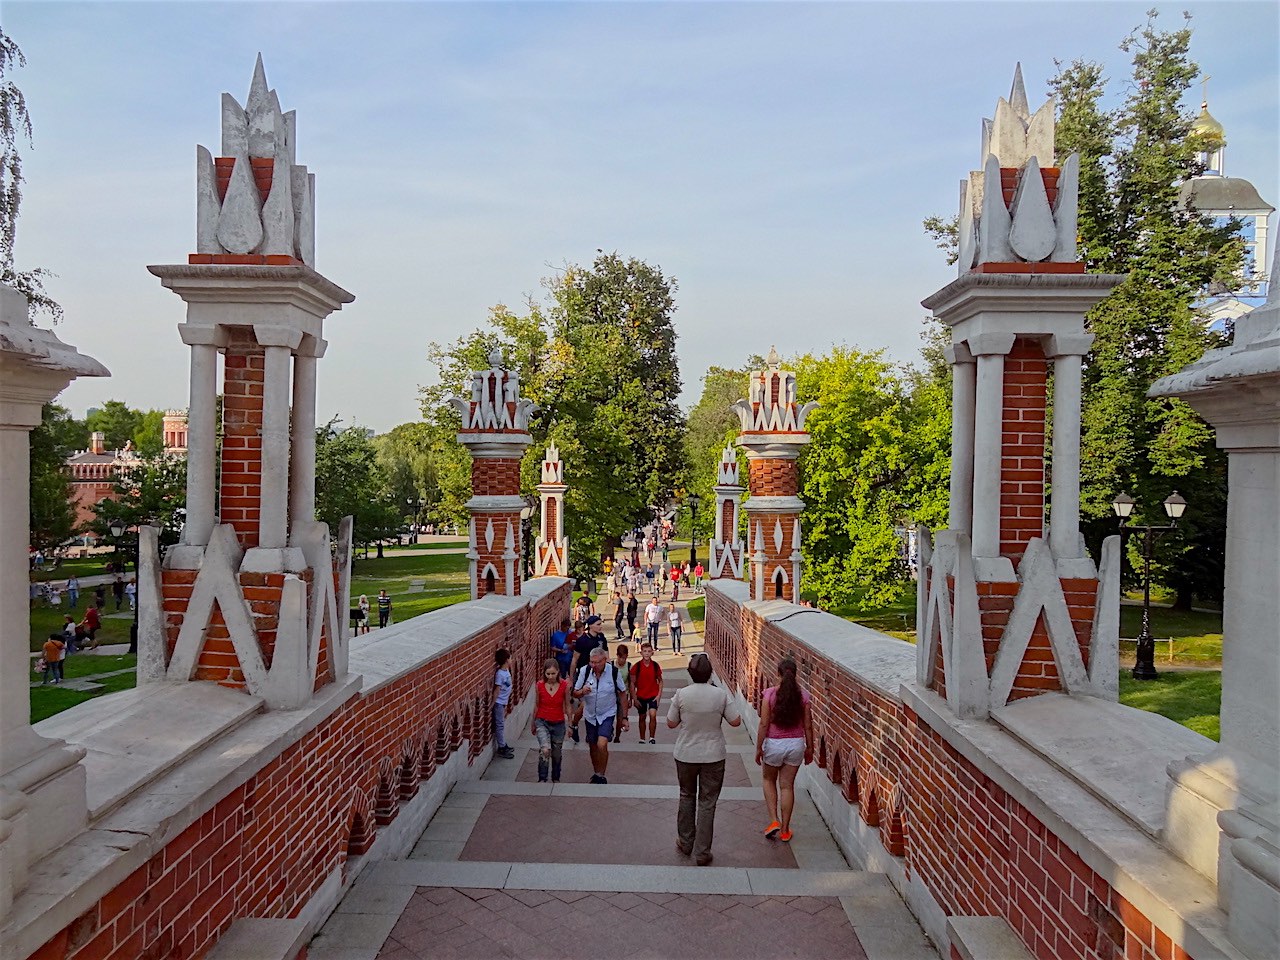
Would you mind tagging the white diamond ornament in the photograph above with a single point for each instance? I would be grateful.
(1032, 232)
(240, 221)
(777, 536)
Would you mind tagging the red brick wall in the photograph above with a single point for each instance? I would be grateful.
(728, 522)
(977, 850)
(775, 558)
(1026, 373)
(265, 848)
(240, 495)
(494, 554)
(495, 477)
(773, 477)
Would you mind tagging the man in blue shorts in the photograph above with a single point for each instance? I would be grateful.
(603, 692)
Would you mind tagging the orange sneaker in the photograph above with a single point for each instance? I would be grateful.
(772, 829)
(785, 836)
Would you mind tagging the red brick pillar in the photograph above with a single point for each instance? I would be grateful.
(726, 546)
(773, 431)
(240, 483)
(495, 429)
(552, 550)
(1026, 378)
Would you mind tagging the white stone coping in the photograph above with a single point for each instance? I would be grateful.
(252, 283)
(985, 938)
(1137, 749)
(1169, 893)
(254, 938)
(167, 798)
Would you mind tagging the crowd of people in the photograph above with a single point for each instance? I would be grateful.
(583, 686)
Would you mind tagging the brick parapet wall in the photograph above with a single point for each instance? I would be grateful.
(976, 849)
(264, 846)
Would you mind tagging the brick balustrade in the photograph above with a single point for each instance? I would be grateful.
(265, 842)
(947, 825)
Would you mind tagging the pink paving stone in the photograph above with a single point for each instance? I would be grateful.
(629, 767)
(622, 831)
(719, 927)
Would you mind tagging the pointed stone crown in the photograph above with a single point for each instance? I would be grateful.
(552, 468)
(727, 472)
(771, 405)
(255, 203)
(495, 404)
(1017, 211)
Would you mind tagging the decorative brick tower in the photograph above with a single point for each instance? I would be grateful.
(1024, 613)
(248, 598)
(773, 432)
(552, 554)
(726, 545)
(495, 428)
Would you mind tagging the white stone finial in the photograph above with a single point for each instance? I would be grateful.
(773, 360)
(1018, 93)
(239, 220)
(495, 359)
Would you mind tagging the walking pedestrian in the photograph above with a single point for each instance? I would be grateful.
(676, 574)
(363, 606)
(583, 607)
(55, 595)
(619, 612)
(562, 647)
(620, 657)
(73, 592)
(698, 711)
(501, 697)
(698, 571)
(784, 741)
(54, 647)
(652, 618)
(549, 719)
(117, 591)
(384, 609)
(131, 594)
(645, 683)
(92, 622)
(602, 692)
(633, 608)
(674, 627)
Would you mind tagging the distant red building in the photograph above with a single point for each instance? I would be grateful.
(93, 471)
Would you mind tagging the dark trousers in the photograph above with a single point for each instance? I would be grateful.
(617, 625)
(700, 785)
(653, 635)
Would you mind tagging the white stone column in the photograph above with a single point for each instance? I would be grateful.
(302, 466)
(273, 518)
(987, 430)
(1064, 503)
(202, 431)
(964, 385)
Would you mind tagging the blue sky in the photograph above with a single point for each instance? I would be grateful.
(775, 158)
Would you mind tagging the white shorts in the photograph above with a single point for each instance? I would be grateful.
(778, 753)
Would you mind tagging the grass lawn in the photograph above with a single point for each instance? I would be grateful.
(444, 582)
(1197, 636)
(90, 566)
(45, 620)
(437, 545)
(51, 699)
(698, 609)
(1193, 698)
(897, 619)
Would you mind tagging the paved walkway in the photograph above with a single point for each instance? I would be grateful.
(510, 867)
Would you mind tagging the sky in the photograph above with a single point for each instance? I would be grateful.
(776, 159)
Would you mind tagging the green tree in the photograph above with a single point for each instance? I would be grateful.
(598, 357)
(116, 421)
(350, 483)
(148, 438)
(53, 515)
(146, 490)
(1133, 162)
(15, 126)
(404, 457)
(878, 459)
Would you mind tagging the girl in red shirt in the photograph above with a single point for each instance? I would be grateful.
(549, 720)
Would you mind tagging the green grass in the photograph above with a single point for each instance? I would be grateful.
(46, 620)
(698, 609)
(1192, 698)
(438, 545)
(897, 618)
(48, 700)
(91, 566)
(445, 577)
(1197, 636)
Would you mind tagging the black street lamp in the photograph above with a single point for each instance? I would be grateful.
(1144, 665)
(693, 529)
(415, 505)
(118, 528)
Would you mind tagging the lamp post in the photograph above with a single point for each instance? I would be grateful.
(415, 505)
(118, 528)
(1144, 666)
(693, 529)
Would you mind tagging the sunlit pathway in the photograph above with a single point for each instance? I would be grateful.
(509, 867)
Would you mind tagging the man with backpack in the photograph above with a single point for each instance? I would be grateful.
(603, 692)
(645, 684)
